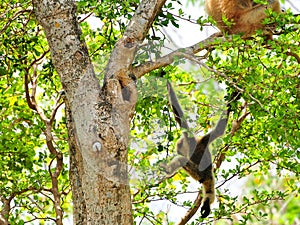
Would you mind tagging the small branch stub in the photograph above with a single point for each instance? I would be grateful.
(97, 146)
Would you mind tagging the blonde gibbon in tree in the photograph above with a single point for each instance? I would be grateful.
(193, 153)
(244, 16)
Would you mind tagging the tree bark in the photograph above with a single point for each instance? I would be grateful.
(99, 149)
(98, 119)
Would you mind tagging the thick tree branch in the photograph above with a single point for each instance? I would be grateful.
(124, 52)
(68, 51)
(143, 18)
(187, 52)
(120, 63)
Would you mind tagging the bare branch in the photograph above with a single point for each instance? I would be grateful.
(247, 168)
(191, 212)
(38, 59)
(28, 97)
(26, 80)
(55, 189)
(32, 103)
(87, 16)
(56, 107)
(15, 16)
(296, 56)
(146, 67)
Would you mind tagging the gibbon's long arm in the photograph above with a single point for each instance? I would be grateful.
(179, 115)
(183, 156)
(219, 129)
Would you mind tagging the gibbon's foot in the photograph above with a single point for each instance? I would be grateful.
(205, 209)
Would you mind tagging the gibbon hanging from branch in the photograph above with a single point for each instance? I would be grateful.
(193, 152)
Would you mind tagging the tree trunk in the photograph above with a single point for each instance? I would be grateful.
(98, 119)
(98, 126)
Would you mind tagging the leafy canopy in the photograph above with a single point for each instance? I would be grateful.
(262, 156)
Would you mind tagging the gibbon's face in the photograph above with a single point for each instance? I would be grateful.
(186, 146)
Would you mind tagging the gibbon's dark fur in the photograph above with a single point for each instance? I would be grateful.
(246, 15)
(193, 153)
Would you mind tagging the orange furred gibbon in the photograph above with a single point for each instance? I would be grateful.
(244, 16)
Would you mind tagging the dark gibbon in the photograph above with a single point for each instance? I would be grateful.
(244, 16)
(193, 153)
